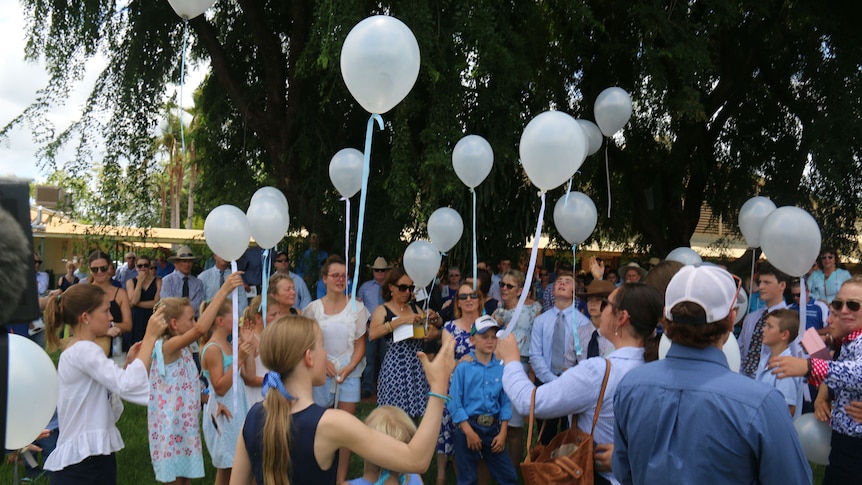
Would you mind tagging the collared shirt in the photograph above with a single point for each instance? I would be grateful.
(843, 376)
(815, 313)
(541, 341)
(585, 334)
(789, 387)
(251, 265)
(303, 297)
(576, 392)
(168, 269)
(823, 288)
(748, 330)
(477, 389)
(211, 280)
(523, 328)
(369, 293)
(124, 274)
(690, 419)
(172, 285)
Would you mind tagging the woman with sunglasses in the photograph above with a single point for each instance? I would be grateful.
(121, 311)
(143, 291)
(402, 381)
(842, 376)
(825, 282)
(629, 318)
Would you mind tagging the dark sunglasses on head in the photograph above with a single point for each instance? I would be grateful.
(506, 286)
(98, 269)
(405, 287)
(280, 260)
(143, 265)
(852, 305)
(472, 296)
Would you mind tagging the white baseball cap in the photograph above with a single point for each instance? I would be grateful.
(707, 285)
(483, 324)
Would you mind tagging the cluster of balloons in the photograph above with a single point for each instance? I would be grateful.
(789, 236)
(31, 393)
(228, 229)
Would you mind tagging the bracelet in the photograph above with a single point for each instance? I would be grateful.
(810, 368)
(445, 399)
(388, 326)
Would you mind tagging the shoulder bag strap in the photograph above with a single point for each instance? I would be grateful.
(532, 421)
(601, 396)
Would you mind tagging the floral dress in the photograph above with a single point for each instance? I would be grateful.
(172, 417)
(463, 346)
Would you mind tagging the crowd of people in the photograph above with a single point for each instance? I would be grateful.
(585, 344)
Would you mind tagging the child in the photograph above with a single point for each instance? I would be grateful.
(174, 433)
(289, 439)
(396, 423)
(226, 408)
(781, 328)
(90, 382)
(253, 370)
(480, 409)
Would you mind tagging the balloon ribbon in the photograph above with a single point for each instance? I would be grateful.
(365, 170)
(235, 333)
(530, 270)
(475, 257)
(182, 82)
(347, 232)
(574, 306)
(265, 264)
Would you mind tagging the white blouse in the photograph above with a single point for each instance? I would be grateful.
(88, 404)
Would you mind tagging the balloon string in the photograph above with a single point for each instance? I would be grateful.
(265, 264)
(574, 306)
(182, 82)
(347, 232)
(608, 176)
(569, 189)
(475, 256)
(530, 270)
(235, 333)
(751, 281)
(366, 163)
(428, 300)
(803, 312)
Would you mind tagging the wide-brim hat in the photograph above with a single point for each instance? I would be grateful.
(380, 263)
(184, 253)
(599, 288)
(625, 269)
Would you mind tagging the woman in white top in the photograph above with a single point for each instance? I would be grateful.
(343, 324)
(91, 385)
(629, 318)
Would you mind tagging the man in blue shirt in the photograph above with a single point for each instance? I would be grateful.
(689, 418)
(815, 310)
(371, 296)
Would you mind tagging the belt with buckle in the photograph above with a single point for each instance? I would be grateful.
(485, 420)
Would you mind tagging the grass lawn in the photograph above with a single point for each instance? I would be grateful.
(133, 462)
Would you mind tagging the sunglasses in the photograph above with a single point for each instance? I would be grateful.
(98, 269)
(543, 274)
(852, 305)
(380, 270)
(405, 287)
(280, 260)
(143, 265)
(472, 296)
(827, 256)
(506, 286)
(797, 295)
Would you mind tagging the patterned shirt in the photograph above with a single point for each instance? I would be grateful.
(843, 376)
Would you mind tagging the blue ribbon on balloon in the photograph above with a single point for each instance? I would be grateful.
(475, 257)
(575, 306)
(365, 171)
(347, 233)
(266, 266)
(182, 82)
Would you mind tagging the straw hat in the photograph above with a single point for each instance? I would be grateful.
(380, 263)
(184, 253)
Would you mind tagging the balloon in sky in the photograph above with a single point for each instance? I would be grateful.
(421, 262)
(345, 171)
(227, 232)
(613, 109)
(445, 228)
(751, 217)
(593, 134)
(575, 217)
(790, 238)
(472, 159)
(553, 147)
(189, 9)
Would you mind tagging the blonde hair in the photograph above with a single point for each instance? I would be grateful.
(283, 345)
(251, 310)
(174, 307)
(394, 422)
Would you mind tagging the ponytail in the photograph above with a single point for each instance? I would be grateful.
(67, 308)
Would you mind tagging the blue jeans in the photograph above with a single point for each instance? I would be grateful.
(466, 460)
(375, 351)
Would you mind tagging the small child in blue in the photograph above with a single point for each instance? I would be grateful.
(781, 328)
(481, 410)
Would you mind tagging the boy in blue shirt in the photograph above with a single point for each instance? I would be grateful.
(781, 328)
(481, 410)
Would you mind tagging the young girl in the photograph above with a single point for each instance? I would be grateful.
(289, 439)
(397, 424)
(226, 408)
(172, 418)
(253, 370)
(89, 382)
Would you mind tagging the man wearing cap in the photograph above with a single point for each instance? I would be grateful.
(632, 273)
(303, 297)
(128, 270)
(181, 282)
(371, 296)
(213, 279)
(593, 343)
(689, 418)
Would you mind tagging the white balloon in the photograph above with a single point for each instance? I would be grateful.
(613, 109)
(472, 159)
(751, 217)
(790, 238)
(576, 217)
(189, 9)
(32, 392)
(685, 256)
(273, 192)
(421, 262)
(268, 221)
(345, 171)
(730, 349)
(445, 228)
(815, 436)
(380, 62)
(553, 147)
(593, 134)
(227, 232)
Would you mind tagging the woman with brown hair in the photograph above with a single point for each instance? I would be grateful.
(121, 311)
